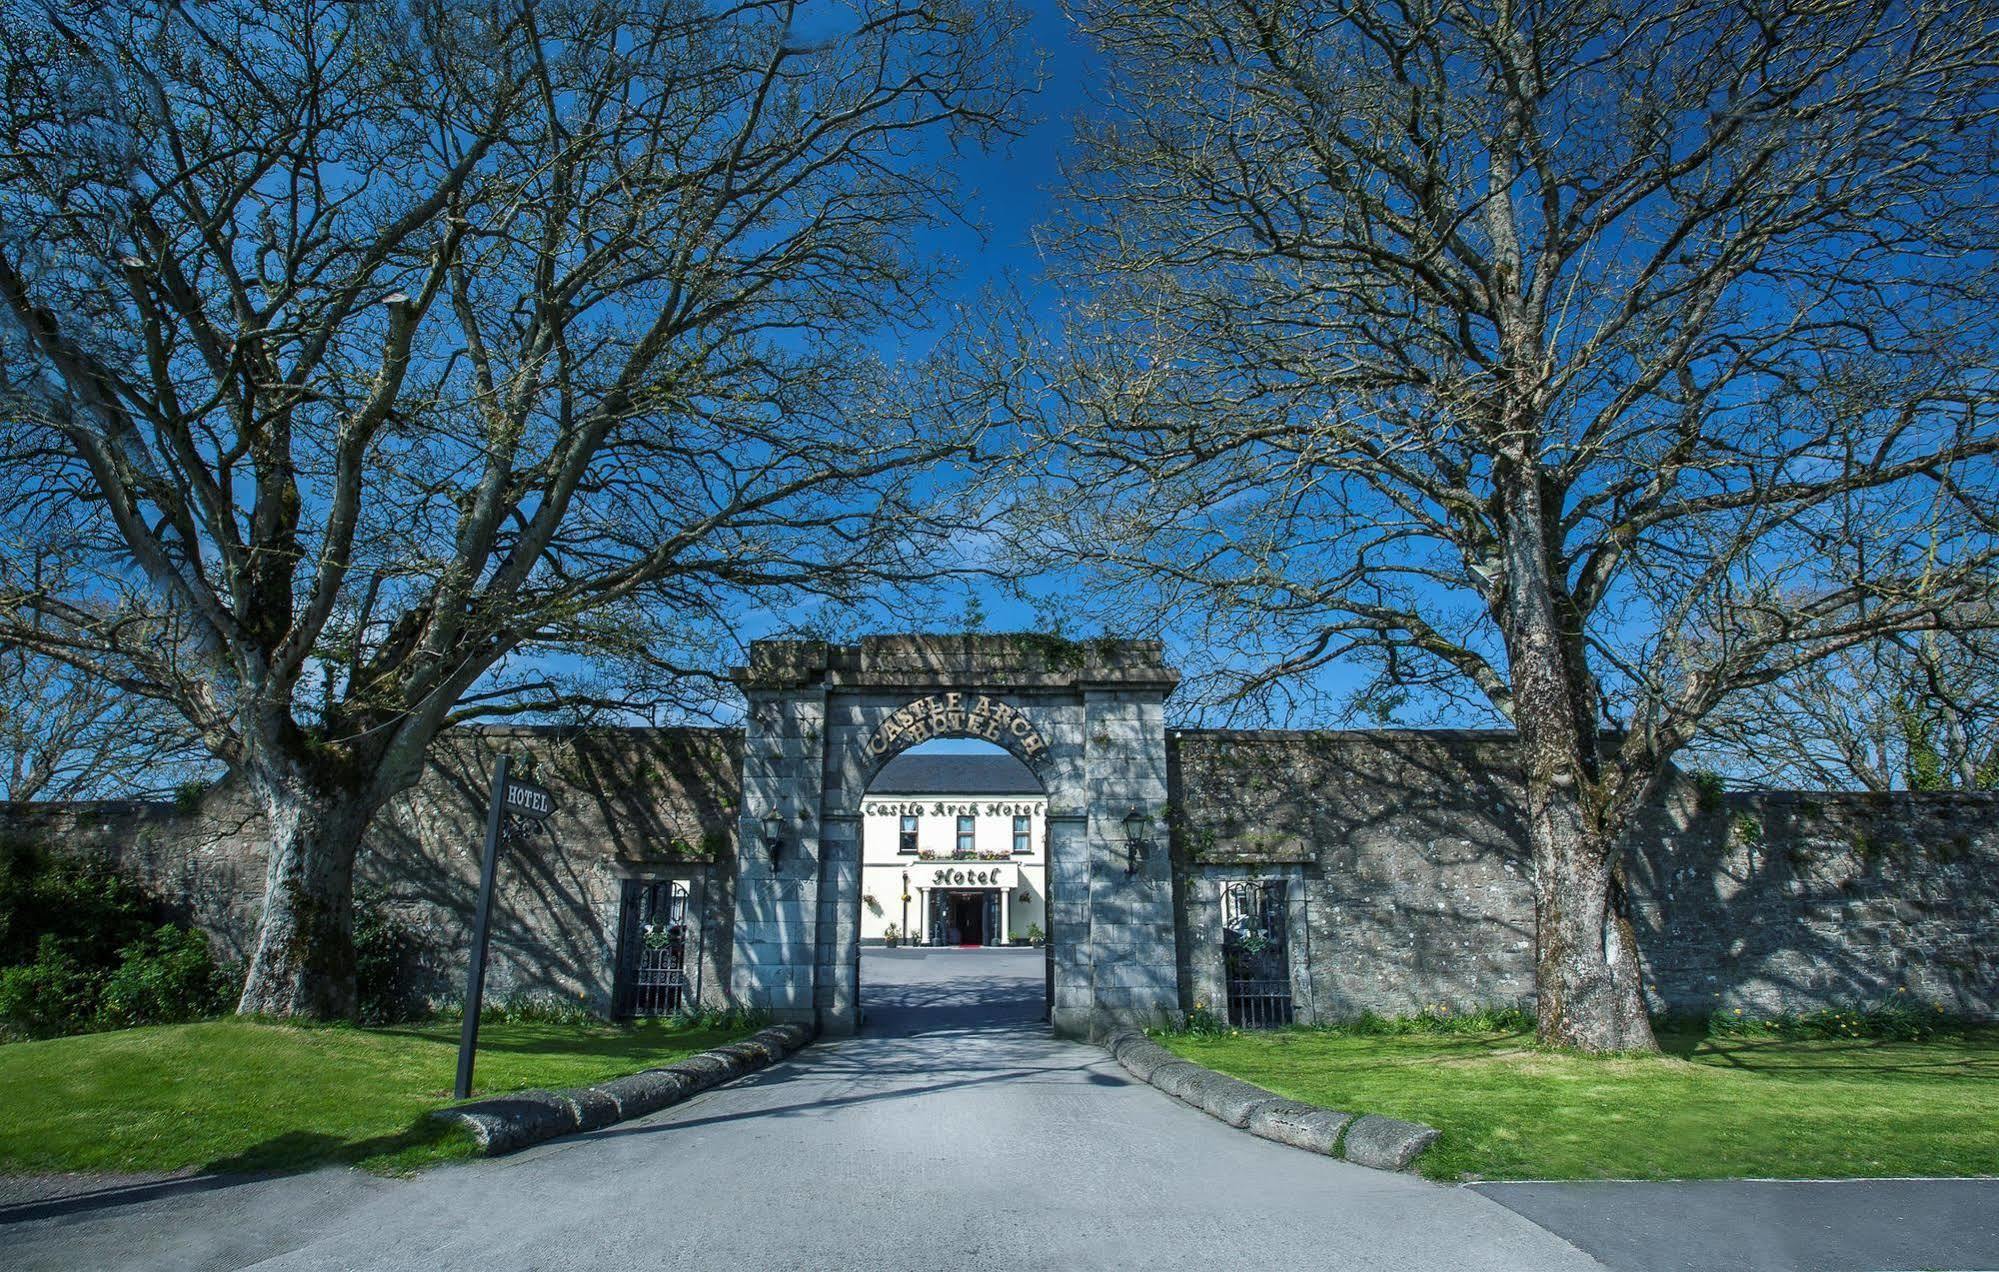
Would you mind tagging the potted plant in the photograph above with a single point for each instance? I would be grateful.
(1035, 936)
(891, 936)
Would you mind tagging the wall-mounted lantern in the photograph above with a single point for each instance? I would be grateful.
(1137, 840)
(773, 824)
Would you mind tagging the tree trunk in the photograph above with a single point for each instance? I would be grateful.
(1586, 975)
(304, 960)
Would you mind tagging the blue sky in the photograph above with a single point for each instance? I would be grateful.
(1007, 195)
(1012, 190)
(956, 746)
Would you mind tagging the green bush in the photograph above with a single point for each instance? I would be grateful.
(384, 950)
(525, 1007)
(1203, 1022)
(1501, 1018)
(722, 1018)
(1897, 1020)
(53, 994)
(82, 946)
(83, 904)
(541, 1008)
(165, 979)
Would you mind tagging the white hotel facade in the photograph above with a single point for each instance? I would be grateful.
(953, 852)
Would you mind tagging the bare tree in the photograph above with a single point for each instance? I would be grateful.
(381, 353)
(1532, 356)
(70, 733)
(65, 735)
(1914, 711)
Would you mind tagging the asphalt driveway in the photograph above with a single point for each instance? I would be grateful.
(955, 1133)
(1839, 1225)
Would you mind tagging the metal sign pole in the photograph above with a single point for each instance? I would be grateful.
(475, 975)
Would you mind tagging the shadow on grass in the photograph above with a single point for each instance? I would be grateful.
(1375, 1049)
(425, 1141)
(1973, 1054)
(636, 1042)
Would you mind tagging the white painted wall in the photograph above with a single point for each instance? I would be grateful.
(885, 868)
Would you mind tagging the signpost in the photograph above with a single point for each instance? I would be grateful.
(514, 804)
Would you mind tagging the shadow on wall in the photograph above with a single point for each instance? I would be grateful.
(1411, 850)
(205, 863)
(1786, 901)
(631, 803)
(1408, 846)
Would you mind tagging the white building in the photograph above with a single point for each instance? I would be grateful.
(954, 851)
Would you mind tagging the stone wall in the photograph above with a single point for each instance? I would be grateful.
(1779, 901)
(205, 862)
(1085, 717)
(633, 804)
(1411, 884)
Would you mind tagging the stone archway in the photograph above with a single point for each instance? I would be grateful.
(1086, 717)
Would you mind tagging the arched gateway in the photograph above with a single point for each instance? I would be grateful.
(1087, 717)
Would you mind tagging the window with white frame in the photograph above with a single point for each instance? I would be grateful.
(1020, 835)
(966, 837)
(907, 841)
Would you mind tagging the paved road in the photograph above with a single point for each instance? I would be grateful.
(954, 1133)
(1849, 1225)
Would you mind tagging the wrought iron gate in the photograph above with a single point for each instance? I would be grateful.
(1256, 957)
(652, 948)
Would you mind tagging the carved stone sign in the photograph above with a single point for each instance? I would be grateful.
(957, 714)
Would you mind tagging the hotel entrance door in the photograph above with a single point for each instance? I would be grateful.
(965, 918)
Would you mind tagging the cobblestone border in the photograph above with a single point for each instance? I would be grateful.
(1384, 1143)
(511, 1122)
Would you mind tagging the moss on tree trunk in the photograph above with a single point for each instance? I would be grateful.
(303, 964)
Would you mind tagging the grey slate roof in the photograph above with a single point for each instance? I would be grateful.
(954, 775)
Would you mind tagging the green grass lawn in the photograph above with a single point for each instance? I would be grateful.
(232, 1095)
(1710, 1107)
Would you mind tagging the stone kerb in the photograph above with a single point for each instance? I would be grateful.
(508, 1123)
(1383, 1143)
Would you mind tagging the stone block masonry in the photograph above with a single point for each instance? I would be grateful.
(1775, 901)
(1408, 884)
(633, 804)
(1412, 887)
(1084, 718)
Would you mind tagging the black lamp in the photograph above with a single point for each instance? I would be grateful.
(1137, 839)
(773, 823)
